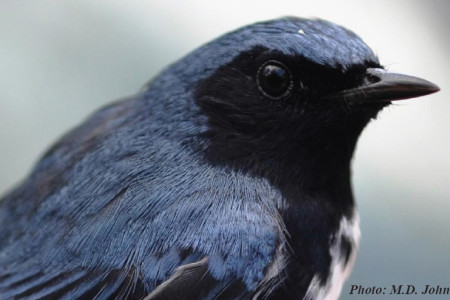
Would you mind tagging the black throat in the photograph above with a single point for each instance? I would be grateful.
(303, 148)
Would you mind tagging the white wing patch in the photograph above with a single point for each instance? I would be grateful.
(339, 271)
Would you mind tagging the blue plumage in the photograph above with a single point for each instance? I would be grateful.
(198, 187)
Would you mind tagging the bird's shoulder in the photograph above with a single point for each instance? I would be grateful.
(98, 204)
(222, 236)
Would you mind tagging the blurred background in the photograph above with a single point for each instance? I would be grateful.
(61, 60)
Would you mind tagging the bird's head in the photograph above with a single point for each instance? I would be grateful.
(292, 90)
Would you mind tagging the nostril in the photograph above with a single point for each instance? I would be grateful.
(371, 78)
(373, 75)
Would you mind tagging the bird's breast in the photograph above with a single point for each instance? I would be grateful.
(343, 248)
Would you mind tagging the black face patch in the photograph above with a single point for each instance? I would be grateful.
(264, 100)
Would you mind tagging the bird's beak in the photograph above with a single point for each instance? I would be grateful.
(382, 86)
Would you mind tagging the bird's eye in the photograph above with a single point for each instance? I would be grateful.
(274, 79)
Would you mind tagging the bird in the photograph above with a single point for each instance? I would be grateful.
(227, 176)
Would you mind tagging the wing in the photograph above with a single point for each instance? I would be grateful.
(112, 209)
(193, 281)
(35, 221)
(74, 284)
(190, 281)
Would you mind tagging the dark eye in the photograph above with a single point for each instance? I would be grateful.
(274, 79)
